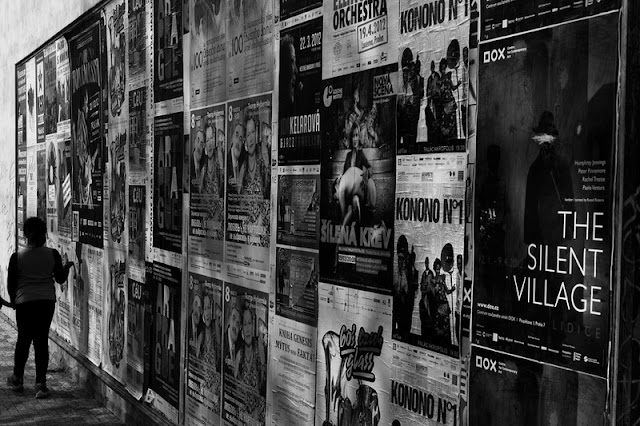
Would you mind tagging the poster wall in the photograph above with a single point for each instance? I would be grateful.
(433, 54)
(428, 262)
(353, 357)
(248, 206)
(358, 36)
(358, 179)
(204, 351)
(245, 355)
(543, 203)
(87, 133)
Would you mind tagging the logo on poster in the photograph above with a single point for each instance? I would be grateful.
(486, 363)
(494, 55)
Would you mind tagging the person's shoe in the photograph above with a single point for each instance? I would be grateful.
(42, 391)
(15, 383)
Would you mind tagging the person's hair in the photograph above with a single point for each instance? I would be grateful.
(35, 231)
(437, 263)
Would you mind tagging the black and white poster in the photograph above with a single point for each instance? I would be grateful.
(298, 206)
(289, 8)
(544, 170)
(167, 44)
(358, 179)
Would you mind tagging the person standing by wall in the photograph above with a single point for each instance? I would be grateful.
(31, 289)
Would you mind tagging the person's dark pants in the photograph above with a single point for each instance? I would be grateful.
(34, 320)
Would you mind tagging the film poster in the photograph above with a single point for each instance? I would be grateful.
(87, 134)
(167, 43)
(293, 372)
(21, 148)
(206, 188)
(204, 362)
(167, 182)
(250, 38)
(289, 8)
(138, 301)
(428, 262)
(297, 285)
(433, 54)
(358, 36)
(245, 355)
(540, 393)
(300, 94)
(358, 179)
(165, 293)
(504, 18)
(114, 356)
(424, 387)
(353, 357)
(248, 208)
(543, 204)
(298, 195)
(208, 55)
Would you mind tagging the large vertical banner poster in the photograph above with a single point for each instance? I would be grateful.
(88, 292)
(138, 299)
(358, 35)
(41, 181)
(250, 38)
(506, 389)
(165, 377)
(115, 307)
(543, 210)
(289, 8)
(87, 134)
(204, 365)
(51, 106)
(245, 345)
(21, 148)
(40, 103)
(137, 246)
(30, 74)
(424, 387)
(358, 179)
(433, 54)
(503, 18)
(115, 196)
(64, 291)
(207, 177)
(167, 43)
(429, 230)
(167, 181)
(300, 94)
(353, 357)
(51, 181)
(62, 94)
(208, 55)
(248, 208)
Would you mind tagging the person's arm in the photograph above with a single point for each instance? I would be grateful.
(12, 277)
(60, 272)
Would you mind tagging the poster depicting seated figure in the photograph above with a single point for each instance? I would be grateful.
(353, 370)
(433, 54)
(248, 208)
(542, 219)
(358, 179)
(506, 389)
(428, 261)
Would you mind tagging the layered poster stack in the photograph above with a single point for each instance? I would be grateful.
(297, 212)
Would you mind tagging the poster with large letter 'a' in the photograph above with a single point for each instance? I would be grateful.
(542, 219)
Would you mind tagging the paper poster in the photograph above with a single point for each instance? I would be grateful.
(167, 183)
(62, 93)
(208, 55)
(116, 176)
(51, 115)
(32, 181)
(503, 18)
(250, 38)
(138, 41)
(353, 370)
(21, 151)
(40, 97)
(139, 135)
(137, 244)
(206, 187)
(248, 208)
(505, 389)
(297, 285)
(87, 133)
(64, 291)
(300, 96)
(298, 206)
(428, 262)
(289, 8)
(65, 177)
(293, 372)
(30, 75)
(433, 54)
(165, 293)
(543, 199)
(52, 181)
(115, 309)
(358, 179)
(138, 299)
(204, 360)
(167, 46)
(41, 181)
(245, 345)
(358, 35)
